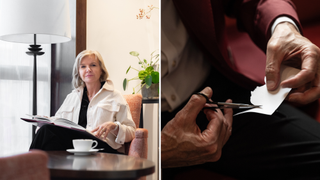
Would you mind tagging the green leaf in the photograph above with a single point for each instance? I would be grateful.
(145, 61)
(155, 77)
(149, 69)
(142, 74)
(134, 53)
(124, 83)
(128, 69)
(148, 81)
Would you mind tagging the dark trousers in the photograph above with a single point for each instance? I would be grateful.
(55, 138)
(285, 145)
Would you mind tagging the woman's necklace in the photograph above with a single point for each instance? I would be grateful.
(89, 97)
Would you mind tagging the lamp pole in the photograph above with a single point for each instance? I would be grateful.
(34, 51)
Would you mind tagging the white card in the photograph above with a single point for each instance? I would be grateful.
(271, 100)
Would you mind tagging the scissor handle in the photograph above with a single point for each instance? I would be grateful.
(205, 96)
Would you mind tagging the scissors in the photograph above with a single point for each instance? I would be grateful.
(223, 105)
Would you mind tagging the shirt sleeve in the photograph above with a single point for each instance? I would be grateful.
(126, 125)
(283, 19)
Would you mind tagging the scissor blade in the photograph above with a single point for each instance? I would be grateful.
(223, 105)
(242, 106)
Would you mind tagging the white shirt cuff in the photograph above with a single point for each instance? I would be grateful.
(120, 138)
(283, 19)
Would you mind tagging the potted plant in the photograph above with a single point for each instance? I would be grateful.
(148, 76)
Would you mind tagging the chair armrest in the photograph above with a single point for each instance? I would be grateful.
(27, 166)
(139, 145)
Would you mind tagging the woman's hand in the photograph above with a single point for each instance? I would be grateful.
(183, 143)
(103, 130)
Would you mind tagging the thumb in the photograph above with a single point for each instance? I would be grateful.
(272, 70)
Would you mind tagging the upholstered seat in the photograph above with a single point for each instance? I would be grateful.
(27, 166)
(138, 147)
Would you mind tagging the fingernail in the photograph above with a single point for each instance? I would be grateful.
(270, 84)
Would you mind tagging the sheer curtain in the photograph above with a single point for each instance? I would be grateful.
(16, 70)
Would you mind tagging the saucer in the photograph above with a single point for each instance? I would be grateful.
(77, 152)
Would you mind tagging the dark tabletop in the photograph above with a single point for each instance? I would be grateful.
(64, 165)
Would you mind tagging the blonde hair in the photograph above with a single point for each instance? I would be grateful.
(76, 79)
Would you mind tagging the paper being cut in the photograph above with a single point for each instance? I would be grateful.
(271, 100)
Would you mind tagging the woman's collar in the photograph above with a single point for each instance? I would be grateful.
(108, 85)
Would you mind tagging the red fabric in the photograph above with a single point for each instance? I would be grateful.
(240, 42)
(28, 166)
(258, 22)
(134, 101)
(138, 147)
(205, 23)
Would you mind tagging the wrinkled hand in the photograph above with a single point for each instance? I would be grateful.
(287, 46)
(183, 143)
(103, 130)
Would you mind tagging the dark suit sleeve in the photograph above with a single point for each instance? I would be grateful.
(257, 16)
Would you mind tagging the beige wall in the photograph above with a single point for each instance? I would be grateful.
(114, 31)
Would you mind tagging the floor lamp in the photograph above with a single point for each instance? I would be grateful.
(35, 22)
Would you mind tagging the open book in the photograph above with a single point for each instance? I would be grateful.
(40, 121)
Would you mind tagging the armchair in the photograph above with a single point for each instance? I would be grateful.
(27, 166)
(138, 147)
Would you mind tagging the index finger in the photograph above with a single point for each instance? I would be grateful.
(196, 103)
(308, 71)
(99, 133)
(219, 123)
(95, 129)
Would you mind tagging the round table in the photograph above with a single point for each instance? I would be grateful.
(65, 165)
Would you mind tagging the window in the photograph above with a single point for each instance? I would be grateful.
(16, 71)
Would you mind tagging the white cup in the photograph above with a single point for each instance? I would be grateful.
(84, 144)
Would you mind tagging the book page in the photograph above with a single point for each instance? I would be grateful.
(39, 117)
(39, 121)
(67, 123)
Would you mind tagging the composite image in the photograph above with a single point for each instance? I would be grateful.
(159, 89)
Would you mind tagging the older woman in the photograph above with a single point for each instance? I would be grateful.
(93, 104)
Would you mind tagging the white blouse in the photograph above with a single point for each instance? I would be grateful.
(107, 105)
